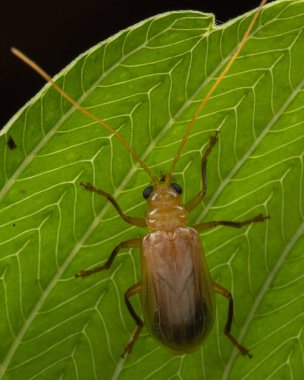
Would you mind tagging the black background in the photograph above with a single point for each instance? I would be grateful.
(54, 33)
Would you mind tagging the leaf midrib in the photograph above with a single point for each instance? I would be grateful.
(249, 152)
(280, 261)
(289, 245)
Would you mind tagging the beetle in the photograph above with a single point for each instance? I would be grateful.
(176, 290)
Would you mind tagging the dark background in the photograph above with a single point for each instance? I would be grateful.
(53, 33)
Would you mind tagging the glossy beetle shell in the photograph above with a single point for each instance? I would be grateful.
(177, 292)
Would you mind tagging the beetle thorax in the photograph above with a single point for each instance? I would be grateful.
(165, 210)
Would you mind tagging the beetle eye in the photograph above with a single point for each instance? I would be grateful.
(177, 187)
(147, 192)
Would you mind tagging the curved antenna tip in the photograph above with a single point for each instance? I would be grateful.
(85, 111)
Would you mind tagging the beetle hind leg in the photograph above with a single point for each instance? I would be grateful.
(227, 330)
(136, 288)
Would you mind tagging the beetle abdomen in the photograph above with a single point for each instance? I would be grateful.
(178, 305)
(187, 335)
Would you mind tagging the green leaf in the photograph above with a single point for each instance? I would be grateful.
(147, 82)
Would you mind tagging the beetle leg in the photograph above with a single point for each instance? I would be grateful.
(139, 222)
(136, 288)
(190, 205)
(207, 225)
(132, 243)
(224, 292)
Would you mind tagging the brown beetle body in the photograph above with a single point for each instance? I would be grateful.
(177, 294)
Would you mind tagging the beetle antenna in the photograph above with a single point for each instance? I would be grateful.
(48, 78)
(215, 85)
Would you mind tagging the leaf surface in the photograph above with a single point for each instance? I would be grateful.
(147, 82)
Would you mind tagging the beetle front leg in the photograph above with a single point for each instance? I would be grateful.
(139, 222)
(136, 288)
(200, 196)
(227, 330)
(132, 243)
(207, 225)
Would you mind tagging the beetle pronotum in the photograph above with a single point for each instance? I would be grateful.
(177, 292)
